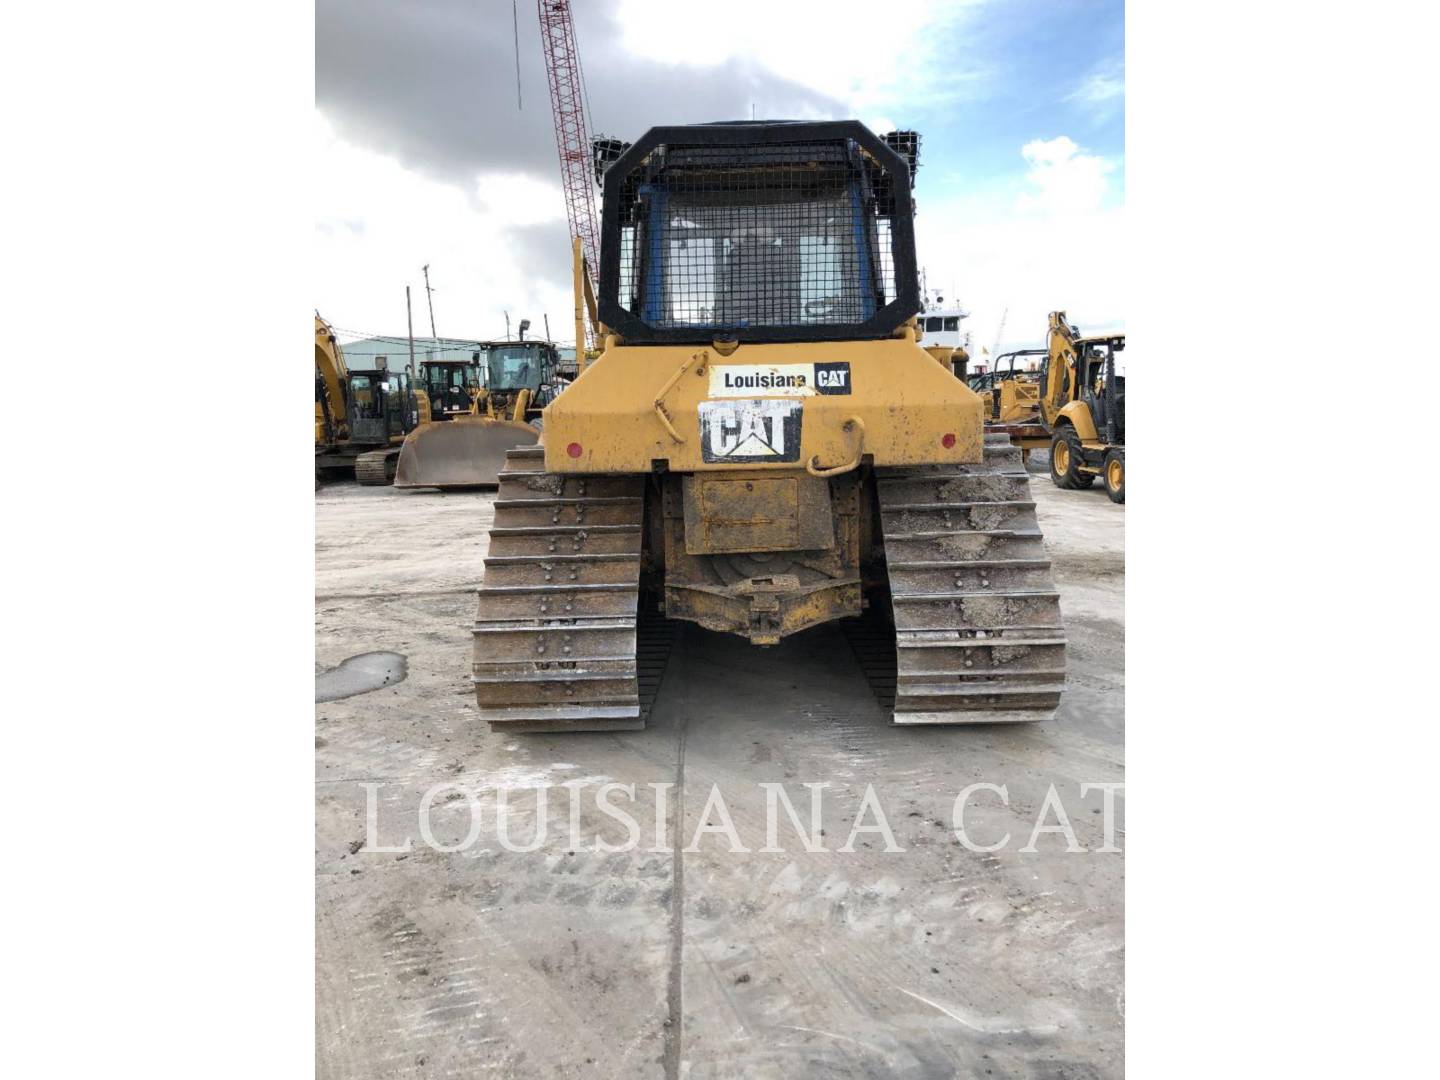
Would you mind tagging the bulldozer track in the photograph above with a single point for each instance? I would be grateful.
(976, 634)
(561, 640)
(971, 633)
(376, 468)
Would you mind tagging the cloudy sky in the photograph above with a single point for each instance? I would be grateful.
(424, 154)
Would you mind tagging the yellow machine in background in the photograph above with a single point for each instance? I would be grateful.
(1082, 404)
(361, 417)
(1074, 405)
(450, 387)
(469, 450)
(1012, 386)
(763, 446)
(953, 358)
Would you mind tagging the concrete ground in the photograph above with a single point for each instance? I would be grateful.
(931, 961)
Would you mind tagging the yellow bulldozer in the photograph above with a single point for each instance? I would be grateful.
(361, 417)
(451, 386)
(763, 446)
(518, 379)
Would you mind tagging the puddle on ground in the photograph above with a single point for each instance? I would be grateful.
(359, 675)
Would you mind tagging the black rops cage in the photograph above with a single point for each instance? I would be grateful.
(790, 231)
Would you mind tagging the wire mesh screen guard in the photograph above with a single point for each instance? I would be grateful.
(751, 237)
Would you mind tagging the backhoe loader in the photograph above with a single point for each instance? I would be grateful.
(1082, 405)
(469, 451)
(1075, 406)
(361, 417)
(763, 446)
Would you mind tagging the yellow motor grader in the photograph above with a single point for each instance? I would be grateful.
(763, 446)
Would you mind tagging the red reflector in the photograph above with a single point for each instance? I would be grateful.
(574, 449)
(947, 441)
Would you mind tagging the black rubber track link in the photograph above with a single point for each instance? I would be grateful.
(561, 643)
(376, 468)
(977, 634)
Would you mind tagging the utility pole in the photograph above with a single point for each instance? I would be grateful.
(410, 328)
(431, 302)
(547, 327)
(507, 326)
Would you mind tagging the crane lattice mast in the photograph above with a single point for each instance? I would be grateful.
(572, 128)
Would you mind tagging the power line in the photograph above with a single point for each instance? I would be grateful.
(515, 18)
(442, 343)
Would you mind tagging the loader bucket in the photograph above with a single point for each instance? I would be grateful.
(465, 452)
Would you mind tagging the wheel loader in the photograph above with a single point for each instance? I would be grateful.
(470, 449)
(361, 417)
(761, 447)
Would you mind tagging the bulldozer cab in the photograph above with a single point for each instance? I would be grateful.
(381, 406)
(784, 238)
(450, 385)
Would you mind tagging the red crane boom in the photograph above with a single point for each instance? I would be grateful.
(572, 128)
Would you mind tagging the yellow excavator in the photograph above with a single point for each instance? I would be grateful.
(469, 451)
(361, 417)
(763, 446)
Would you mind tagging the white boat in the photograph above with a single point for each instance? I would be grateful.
(940, 324)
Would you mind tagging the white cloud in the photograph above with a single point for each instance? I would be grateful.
(1058, 246)
(876, 59)
(1103, 86)
(1101, 94)
(1065, 179)
(378, 223)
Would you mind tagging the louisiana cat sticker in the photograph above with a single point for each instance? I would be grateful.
(750, 431)
(779, 380)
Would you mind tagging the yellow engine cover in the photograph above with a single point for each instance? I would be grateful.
(820, 404)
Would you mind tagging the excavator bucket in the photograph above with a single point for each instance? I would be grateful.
(465, 452)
